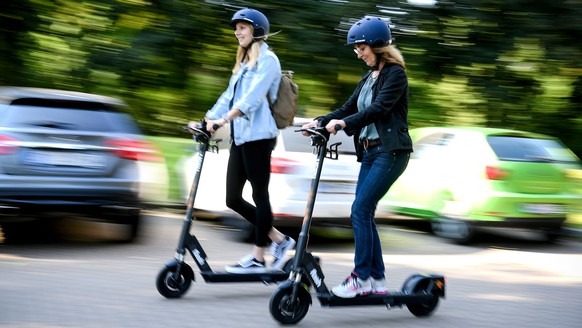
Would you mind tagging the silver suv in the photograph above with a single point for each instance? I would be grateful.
(63, 153)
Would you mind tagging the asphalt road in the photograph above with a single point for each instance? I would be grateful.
(86, 279)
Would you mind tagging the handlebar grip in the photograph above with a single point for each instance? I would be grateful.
(216, 127)
(338, 127)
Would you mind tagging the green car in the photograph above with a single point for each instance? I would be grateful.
(462, 179)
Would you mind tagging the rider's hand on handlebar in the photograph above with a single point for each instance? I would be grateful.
(331, 126)
(194, 125)
(213, 125)
(310, 125)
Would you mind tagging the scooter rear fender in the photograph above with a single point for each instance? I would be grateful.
(428, 283)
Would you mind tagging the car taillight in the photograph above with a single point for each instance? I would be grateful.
(282, 165)
(495, 173)
(137, 150)
(7, 145)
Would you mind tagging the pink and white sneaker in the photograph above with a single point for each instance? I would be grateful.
(352, 287)
(379, 286)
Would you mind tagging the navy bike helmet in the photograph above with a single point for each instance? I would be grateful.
(370, 30)
(259, 21)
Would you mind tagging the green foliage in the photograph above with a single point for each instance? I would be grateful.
(174, 150)
(512, 64)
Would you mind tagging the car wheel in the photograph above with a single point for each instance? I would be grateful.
(243, 230)
(14, 232)
(33, 231)
(247, 233)
(451, 223)
(459, 231)
(553, 235)
(133, 224)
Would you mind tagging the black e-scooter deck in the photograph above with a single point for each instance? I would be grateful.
(209, 275)
(176, 275)
(432, 285)
(267, 277)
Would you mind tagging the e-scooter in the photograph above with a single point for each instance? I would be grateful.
(291, 300)
(175, 277)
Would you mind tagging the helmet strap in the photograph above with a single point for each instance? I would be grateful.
(247, 48)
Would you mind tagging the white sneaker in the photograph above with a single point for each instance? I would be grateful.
(247, 264)
(279, 251)
(352, 287)
(379, 286)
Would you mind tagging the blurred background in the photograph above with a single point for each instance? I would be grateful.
(486, 63)
(493, 63)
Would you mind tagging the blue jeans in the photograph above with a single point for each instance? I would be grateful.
(379, 170)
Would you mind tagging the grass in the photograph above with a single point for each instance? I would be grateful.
(173, 149)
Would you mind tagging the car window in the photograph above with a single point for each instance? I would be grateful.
(509, 148)
(432, 145)
(122, 122)
(70, 119)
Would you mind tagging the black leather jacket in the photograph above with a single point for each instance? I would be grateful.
(388, 111)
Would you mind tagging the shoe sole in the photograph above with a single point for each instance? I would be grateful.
(350, 296)
(245, 270)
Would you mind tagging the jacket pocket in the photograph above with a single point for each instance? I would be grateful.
(404, 138)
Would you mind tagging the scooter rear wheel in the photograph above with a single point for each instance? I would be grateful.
(287, 311)
(170, 287)
(426, 307)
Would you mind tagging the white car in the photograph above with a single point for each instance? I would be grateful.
(292, 167)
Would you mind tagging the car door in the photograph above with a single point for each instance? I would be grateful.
(426, 174)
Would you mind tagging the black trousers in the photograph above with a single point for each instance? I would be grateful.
(251, 162)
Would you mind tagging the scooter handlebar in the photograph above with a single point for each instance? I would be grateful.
(318, 135)
(199, 132)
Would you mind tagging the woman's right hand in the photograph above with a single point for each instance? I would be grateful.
(312, 124)
(332, 126)
(211, 124)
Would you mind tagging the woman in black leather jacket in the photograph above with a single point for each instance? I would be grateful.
(376, 115)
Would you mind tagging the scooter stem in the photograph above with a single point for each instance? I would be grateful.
(320, 141)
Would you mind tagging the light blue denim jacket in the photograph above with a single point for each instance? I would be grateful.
(257, 122)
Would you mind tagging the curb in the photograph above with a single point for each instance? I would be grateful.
(165, 205)
(573, 233)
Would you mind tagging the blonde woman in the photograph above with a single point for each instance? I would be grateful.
(256, 74)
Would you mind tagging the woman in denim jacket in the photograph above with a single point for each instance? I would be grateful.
(376, 115)
(256, 74)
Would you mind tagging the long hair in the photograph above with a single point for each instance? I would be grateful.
(390, 54)
(250, 56)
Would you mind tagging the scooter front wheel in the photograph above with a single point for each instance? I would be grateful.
(287, 269)
(170, 287)
(287, 310)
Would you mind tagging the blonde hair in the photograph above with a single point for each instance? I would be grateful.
(390, 55)
(252, 55)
